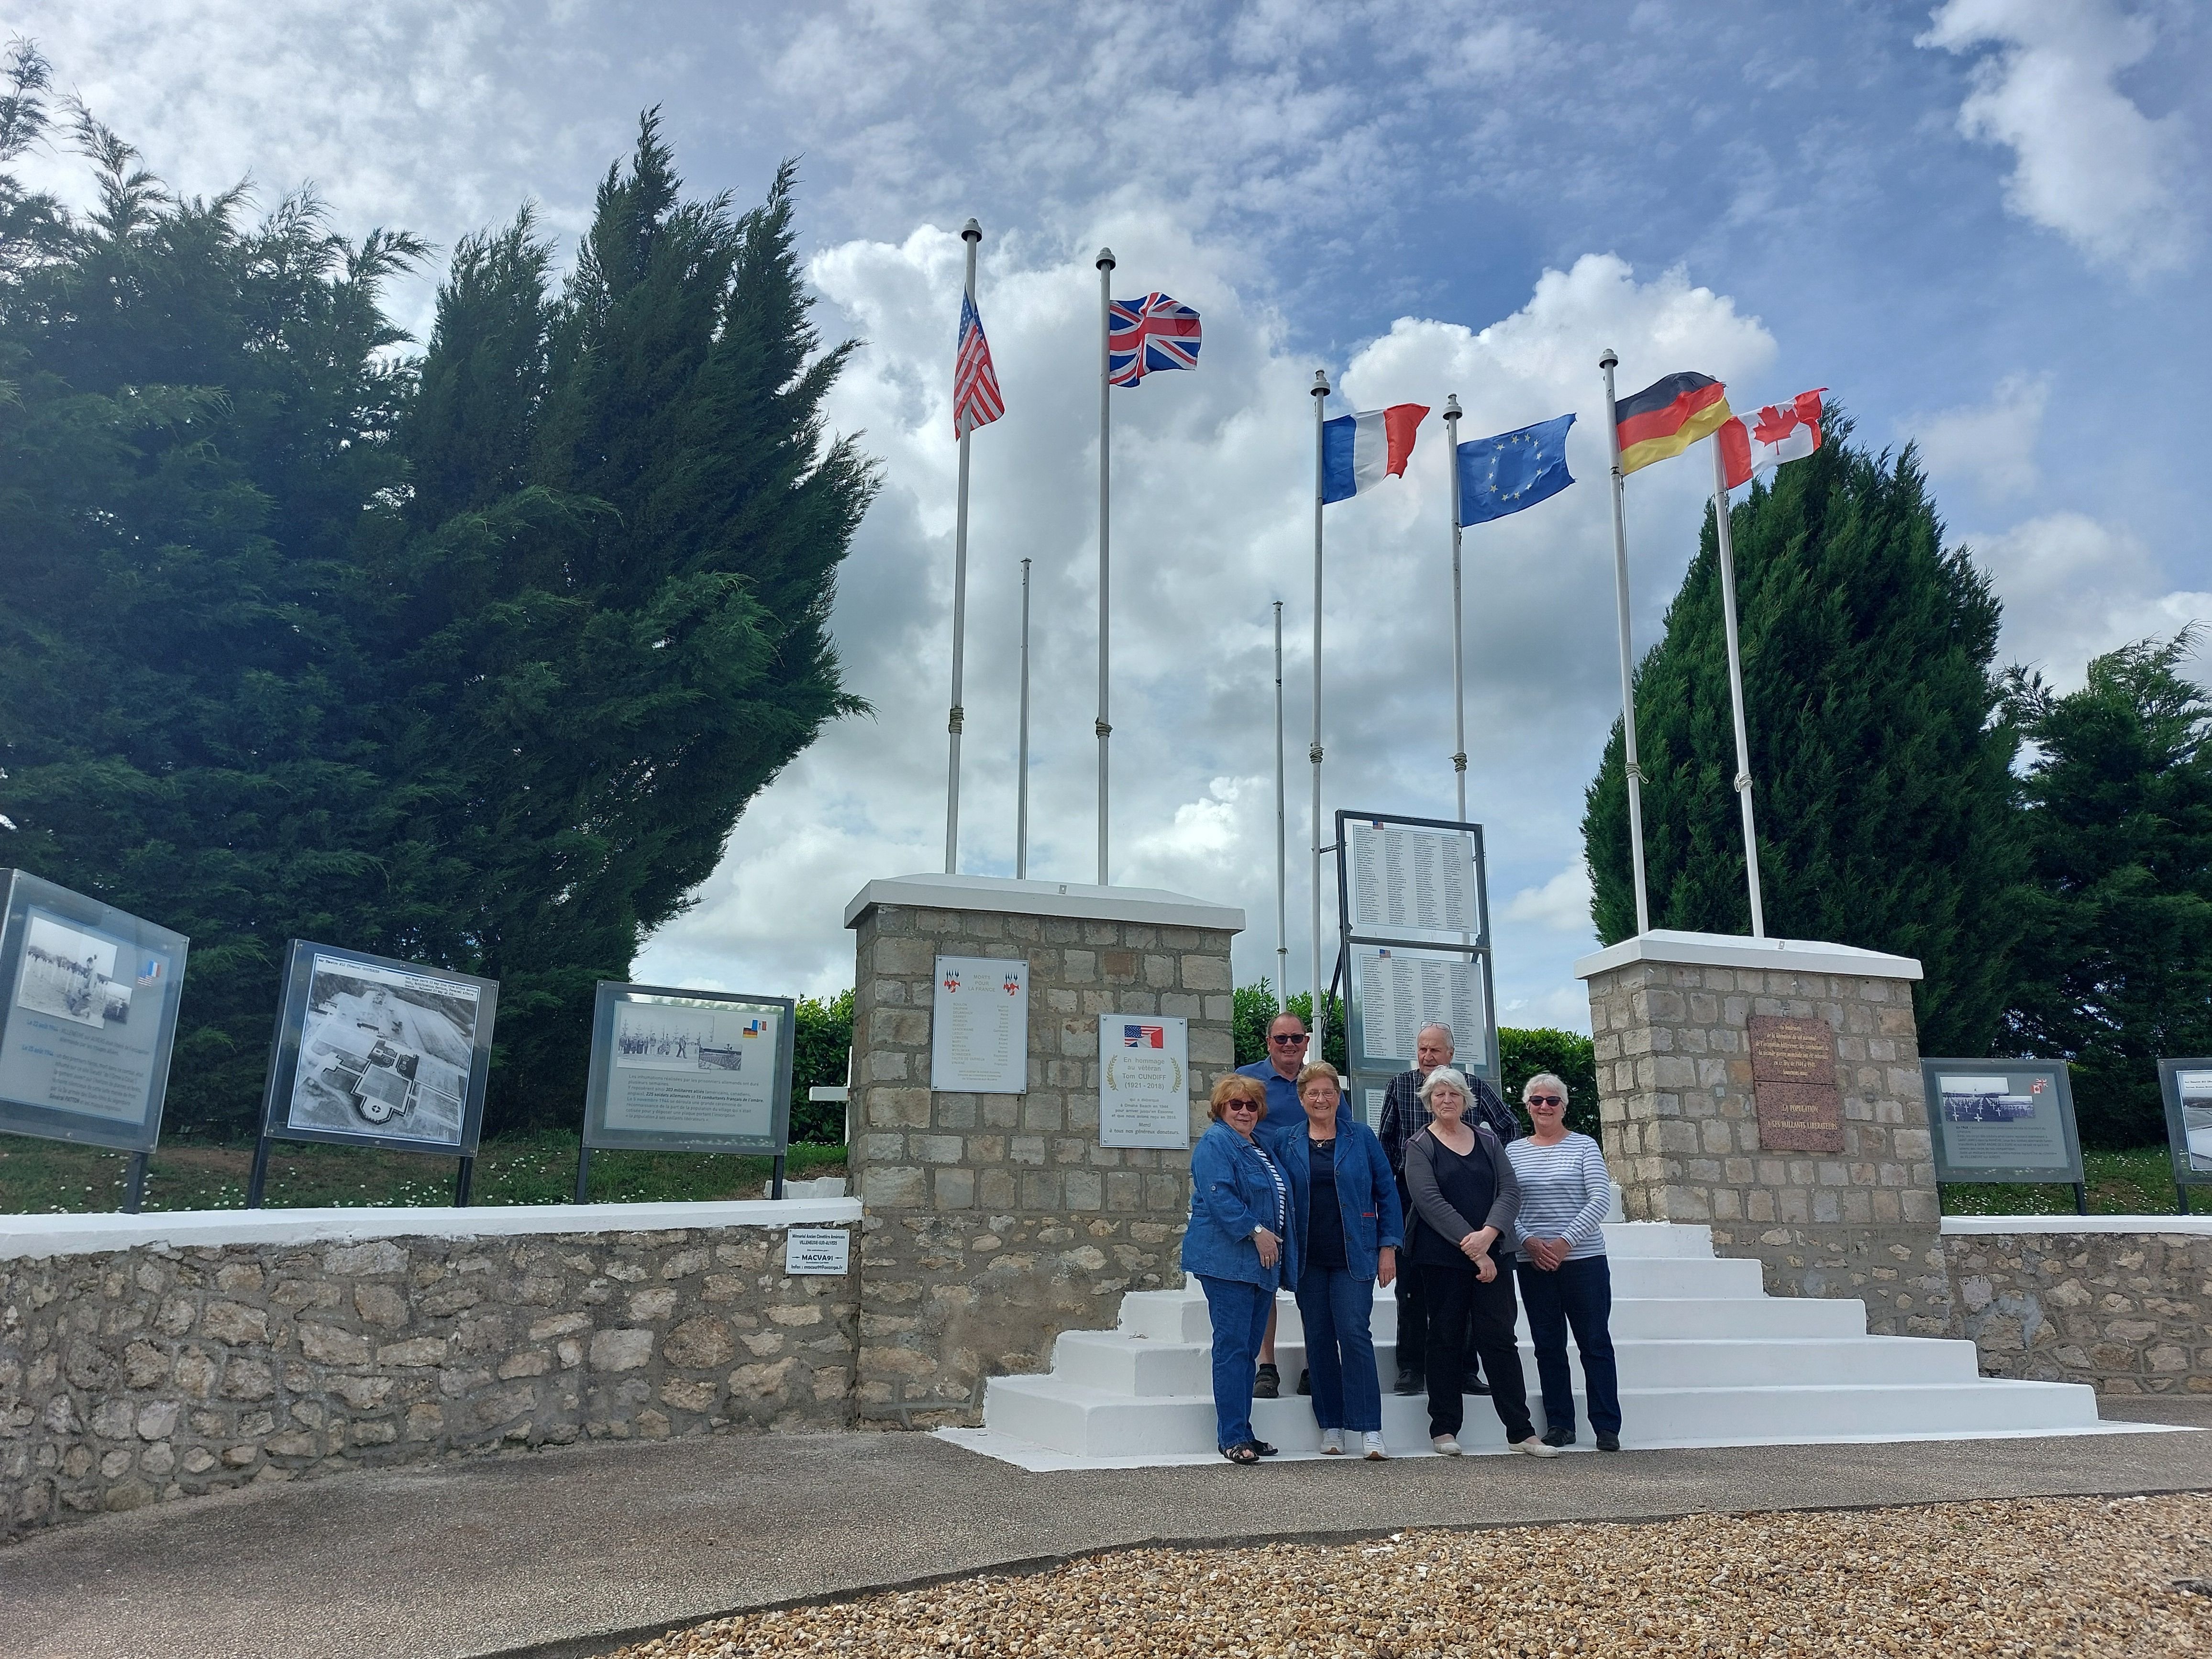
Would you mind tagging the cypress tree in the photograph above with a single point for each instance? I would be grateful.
(1886, 806)
(2115, 961)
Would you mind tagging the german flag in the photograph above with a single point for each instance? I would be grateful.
(1668, 417)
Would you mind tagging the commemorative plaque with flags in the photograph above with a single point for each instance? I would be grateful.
(976, 398)
(1158, 331)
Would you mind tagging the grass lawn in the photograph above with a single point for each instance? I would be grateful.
(2138, 1182)
(46, 1176)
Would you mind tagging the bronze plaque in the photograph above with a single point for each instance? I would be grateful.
(1793, 1070)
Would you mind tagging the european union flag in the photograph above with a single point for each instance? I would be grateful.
(1514, 470)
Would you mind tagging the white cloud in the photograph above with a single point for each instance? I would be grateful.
(2075, 588)
(1561, 904)
(1990, 445)
(2089, 164)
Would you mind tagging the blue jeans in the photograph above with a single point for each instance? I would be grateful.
(1239, 1311)
(1578, 1294)
(1337, 1310)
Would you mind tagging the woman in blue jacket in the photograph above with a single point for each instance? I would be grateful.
(1348, 1223)
(1239, 1247)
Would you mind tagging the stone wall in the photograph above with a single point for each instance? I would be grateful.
(1681, 1130)
(2126, 1312)
(166, 1370)
(995, 1222)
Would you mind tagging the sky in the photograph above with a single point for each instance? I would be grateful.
(1982, 225)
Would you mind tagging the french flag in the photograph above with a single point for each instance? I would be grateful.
(1357, 451)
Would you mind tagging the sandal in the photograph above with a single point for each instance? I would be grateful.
(1263, 1448)
(1245, 1451)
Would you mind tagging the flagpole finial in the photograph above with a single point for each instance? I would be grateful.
(1320, 383)
(971, 232)
(1105, 261)
(1610, 360)
(1451, 406)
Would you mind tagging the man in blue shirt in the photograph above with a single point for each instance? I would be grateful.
(1284, 1123)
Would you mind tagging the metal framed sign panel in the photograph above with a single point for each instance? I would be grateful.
(87, 1017)
(374, 1052)
(676, 1070)
(2187, 1086)
(2002, 1119)
(1396, 990)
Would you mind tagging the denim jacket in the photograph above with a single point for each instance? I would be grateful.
(1231, 1193)
(1366, 1191)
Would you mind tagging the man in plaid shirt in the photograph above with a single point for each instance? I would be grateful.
(1403, 1117)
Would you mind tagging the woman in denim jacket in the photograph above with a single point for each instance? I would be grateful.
(1240, 1245)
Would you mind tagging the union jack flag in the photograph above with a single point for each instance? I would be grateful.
(1144, 1036)
(975, 399)
(1158, 331)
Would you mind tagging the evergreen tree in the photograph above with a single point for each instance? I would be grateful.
(2115, 962)
(1886, 811)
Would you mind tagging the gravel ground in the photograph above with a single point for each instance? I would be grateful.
(2073, 1576)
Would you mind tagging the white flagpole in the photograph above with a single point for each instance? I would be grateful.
(1627, 681)
(1105, 462)
(1735, 686)
(1459, 665)
(1316, 1025)
(1282, 862)
(1021, 780)
(971, 233)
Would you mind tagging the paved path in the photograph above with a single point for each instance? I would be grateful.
(552, 1553)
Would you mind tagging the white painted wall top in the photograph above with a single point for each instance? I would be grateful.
(2173, 1226)
(1732, 951)
(1149, 905)
(34, 1235)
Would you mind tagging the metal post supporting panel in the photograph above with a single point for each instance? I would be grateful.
(1459, 659)
(971, 233)
(1735, 687)
(1102, 726)
(1635, 773)
(1320, 390)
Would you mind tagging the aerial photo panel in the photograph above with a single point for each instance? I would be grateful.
(385, 1051)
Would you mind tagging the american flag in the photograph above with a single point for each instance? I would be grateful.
(1144, 1036)
(1156, 332)
(975, 399)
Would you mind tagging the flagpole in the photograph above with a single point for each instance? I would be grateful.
(1459, 665)
(1635, 773)
(1105, 461)
(1282, 861)
(1320, 391)
(1735, 686)
(971, 233)
(1022, 776)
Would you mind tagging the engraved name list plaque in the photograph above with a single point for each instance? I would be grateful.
(1793, 1089)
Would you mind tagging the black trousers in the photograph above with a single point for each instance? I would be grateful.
(1460, 1307)
(1413, 1321)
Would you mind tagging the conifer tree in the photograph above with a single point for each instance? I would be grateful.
(1886, 806)
(2115, 961)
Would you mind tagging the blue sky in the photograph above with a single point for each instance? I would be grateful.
(1982, 225)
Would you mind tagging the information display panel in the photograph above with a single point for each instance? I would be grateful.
(685, 1071)
(1413, 881)
(1397, 990)
(2002, 1119)
(87, 1017)
(1144, 1081)
(374, 1052)
(979, 1029)
(2187, 1086)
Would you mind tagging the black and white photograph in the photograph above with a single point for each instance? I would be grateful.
(2195, 1091)
(70, 974)
(653, 1036)
(385, 1051)
(1983, 1100)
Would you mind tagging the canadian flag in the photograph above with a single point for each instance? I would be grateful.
(1780, 432)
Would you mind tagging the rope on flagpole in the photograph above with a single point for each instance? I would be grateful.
(971, 233)
(1635, 773)
(1318, 1023)
(1100, 727)
(1459, 662)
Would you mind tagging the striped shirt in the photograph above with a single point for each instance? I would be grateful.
(1564, 1193)
(1282, 1198)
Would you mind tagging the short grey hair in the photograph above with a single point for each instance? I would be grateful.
(1445, 1077)
(1551, 1078)
(1450, 1042)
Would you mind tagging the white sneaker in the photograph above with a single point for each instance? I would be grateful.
(1535, 1448)
(1332, 1442)
(1447, 1446)
(1372, 1443)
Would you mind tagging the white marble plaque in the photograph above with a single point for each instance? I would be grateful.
(818, 1250)
(979, 1026)
(1144, 1081)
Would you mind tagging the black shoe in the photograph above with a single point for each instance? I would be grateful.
(1305, 1382)
(1474, 1385)
(1267, 1384)
(1607, 1440)
(1266, 1451)
(1564, 1437)
(1407, 1382)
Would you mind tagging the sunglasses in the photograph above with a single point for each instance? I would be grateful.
(1241, 1106)
(1548, 1100)
(1283, 1037)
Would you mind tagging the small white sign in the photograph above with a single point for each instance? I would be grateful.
(818, 1250)
(1144, 1081)
(979, 1032)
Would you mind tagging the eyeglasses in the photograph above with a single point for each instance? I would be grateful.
(1241, 1106)
(1548, 1100)
(1287, 1036)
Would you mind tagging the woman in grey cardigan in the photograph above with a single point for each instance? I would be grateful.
(1465, 1196)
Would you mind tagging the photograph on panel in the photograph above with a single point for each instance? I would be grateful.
(385, 1050)
(70, 974)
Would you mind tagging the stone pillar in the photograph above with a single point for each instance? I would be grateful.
(995, 1222)
(1831, 1186)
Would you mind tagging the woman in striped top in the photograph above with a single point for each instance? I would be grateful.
(1564, 1281)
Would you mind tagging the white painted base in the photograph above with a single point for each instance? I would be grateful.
(1706, 1358)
